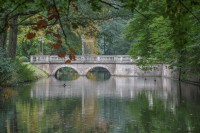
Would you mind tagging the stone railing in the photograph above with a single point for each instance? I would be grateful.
(82, 59)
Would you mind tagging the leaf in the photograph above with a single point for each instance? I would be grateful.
(52, 12)
(48, 32)
(56, 46)
(30, 35)
(71, 50)
(42, 24)
(62, 54)
(57, 35)
(72, 57)
(67, 61)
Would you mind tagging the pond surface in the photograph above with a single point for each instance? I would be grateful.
(114, 105)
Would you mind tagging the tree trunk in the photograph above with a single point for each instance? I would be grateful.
(3, 37)
(3, 32)
(13, 37)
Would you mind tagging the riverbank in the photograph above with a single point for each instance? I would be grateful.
(38, 73)
(24, 74)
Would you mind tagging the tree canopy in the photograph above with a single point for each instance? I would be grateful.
(160, 31)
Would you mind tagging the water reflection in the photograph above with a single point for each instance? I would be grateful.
(66, 74)
(116, 105)
(98, 73)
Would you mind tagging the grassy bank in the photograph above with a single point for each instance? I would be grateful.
(38, 73)
(13, 71)
(22, 73)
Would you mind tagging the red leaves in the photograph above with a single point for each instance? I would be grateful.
(57, 35)
(56, 46)
(67, 61)
(62, 54)
(72, 57)
(71, 50)
(30, 35)
(59, 41)
(53, 14)
(42, 24)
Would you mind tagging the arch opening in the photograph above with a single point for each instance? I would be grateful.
(98, 73)
(66, 74)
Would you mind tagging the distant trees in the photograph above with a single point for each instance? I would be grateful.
(111, 38)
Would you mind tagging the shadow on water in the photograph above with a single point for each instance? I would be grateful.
(98, 74)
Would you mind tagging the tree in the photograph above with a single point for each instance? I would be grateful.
(176, 27)
(68, 15)
(111, 40)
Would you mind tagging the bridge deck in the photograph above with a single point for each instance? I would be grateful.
(82, 59)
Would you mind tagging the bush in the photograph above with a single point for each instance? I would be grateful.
(6, 68)
(23, 59)
(13, 71)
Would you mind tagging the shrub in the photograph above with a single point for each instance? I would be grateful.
(13, 71)
(23, 59)
(6, 68)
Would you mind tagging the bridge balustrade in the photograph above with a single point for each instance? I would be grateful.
(82, 59)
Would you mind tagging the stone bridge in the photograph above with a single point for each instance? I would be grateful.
(118, 65)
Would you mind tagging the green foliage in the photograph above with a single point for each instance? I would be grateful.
(22, 73)
(111, 40)
(23, 59)
(151, 42)
(12, 71)
(6, 67)
(38, 73)
(165, 36)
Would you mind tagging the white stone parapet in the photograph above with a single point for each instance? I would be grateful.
(82, 59)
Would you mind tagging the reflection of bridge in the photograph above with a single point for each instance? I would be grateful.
(120, 65)
(125, 87)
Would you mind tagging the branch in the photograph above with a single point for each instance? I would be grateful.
(141, 14)
(122, 6)
(116, 6)
(189, 11)
(61, 23)
(6, 16)
(31, 24)
(16, 7)
(30, 13)
(24, 14)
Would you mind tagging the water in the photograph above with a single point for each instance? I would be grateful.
(114, 105)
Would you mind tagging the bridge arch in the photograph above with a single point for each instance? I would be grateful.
(102, 66)
(62, 66)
